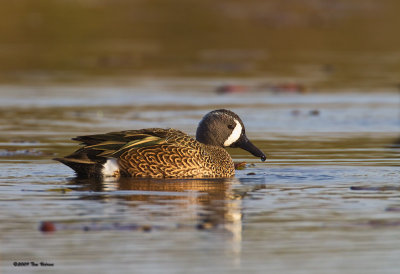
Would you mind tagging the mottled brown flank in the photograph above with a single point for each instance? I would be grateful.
(152, 153)
(179, 156)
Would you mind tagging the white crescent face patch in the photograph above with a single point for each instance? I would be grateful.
(235, 135)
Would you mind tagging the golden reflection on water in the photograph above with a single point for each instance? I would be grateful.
(215, 203)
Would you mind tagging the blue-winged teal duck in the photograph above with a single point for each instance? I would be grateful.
(164, 153)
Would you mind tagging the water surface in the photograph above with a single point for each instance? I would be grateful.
(327, 199)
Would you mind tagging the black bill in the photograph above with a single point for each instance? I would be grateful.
(245, 144)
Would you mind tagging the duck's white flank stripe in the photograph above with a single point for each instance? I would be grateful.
(110, 168)
(237, 131)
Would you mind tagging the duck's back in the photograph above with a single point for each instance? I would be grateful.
(154, 152)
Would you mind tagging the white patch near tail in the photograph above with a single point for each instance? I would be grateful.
(235, 135)
(110, 168)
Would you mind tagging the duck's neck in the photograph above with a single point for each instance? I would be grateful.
(207, 140)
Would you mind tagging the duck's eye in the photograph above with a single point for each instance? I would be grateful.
(231, 126)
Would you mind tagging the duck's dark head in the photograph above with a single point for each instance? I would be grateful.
(224, 128)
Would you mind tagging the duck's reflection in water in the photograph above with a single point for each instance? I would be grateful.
(214, 204)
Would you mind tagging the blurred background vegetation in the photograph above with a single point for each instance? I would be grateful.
(352, 43)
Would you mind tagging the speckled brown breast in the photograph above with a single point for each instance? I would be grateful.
(177, 155)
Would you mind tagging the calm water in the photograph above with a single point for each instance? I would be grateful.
(327, 200)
